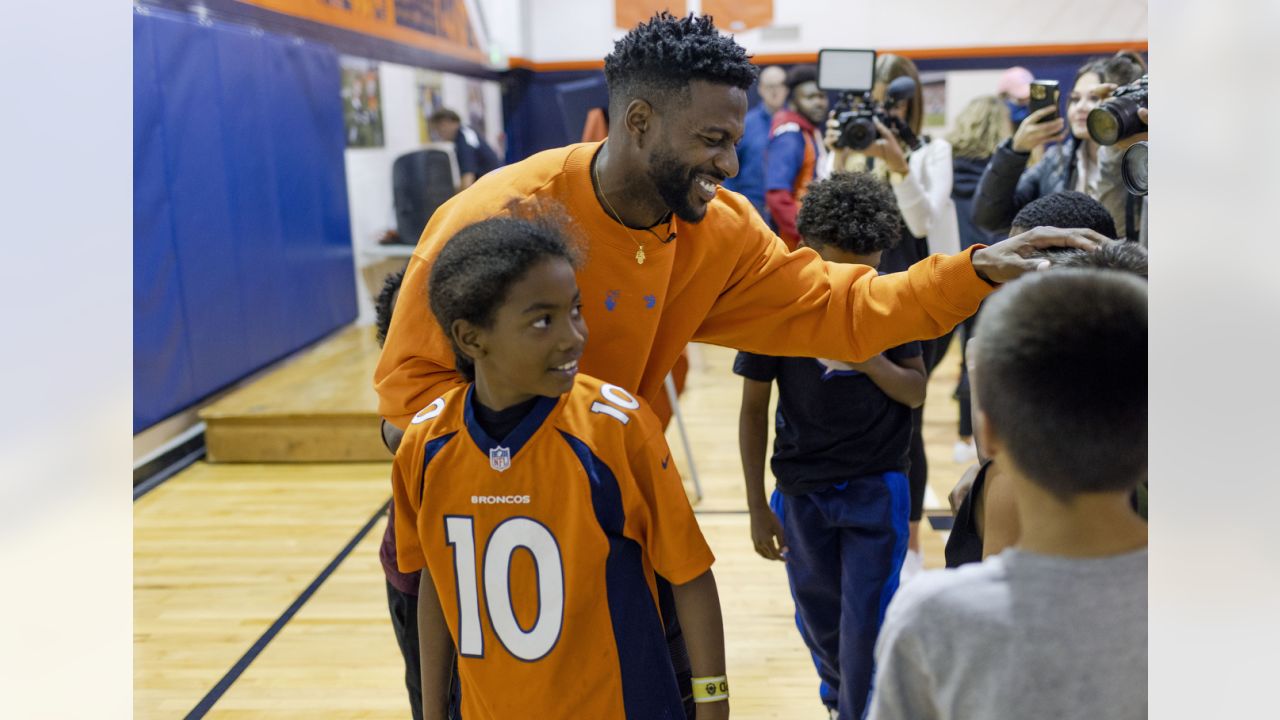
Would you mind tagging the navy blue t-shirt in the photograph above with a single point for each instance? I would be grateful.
(833, 424)
(474, 154)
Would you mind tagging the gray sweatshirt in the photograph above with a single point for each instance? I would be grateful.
(1018, 636)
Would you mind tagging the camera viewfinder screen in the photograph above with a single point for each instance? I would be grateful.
(846, 69)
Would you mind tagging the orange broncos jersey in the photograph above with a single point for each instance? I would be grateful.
(543, 548)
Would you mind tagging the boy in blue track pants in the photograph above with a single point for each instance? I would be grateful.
(839, 515)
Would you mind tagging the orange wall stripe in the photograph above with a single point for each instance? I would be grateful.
(363, 21)
(992, 51)
(630, 13)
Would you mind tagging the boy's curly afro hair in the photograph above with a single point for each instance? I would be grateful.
(855, 212)
(659, 58)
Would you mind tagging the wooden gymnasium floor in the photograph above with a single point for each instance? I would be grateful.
(231, 615)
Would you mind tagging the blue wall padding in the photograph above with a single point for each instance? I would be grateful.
(531, 111)
(242, 242)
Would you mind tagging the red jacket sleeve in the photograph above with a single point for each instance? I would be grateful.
(783, 208)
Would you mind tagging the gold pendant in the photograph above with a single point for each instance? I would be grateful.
(640, 255)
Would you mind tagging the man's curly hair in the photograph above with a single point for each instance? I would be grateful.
(855, 212)
(659, 58)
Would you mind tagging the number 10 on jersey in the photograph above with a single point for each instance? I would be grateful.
(509, 536)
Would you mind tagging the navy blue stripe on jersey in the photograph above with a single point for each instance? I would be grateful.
(428, 452)
(516, 438)
(648, 682)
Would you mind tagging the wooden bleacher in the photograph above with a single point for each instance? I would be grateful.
(317, 407)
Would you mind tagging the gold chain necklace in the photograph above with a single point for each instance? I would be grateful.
(595, 174)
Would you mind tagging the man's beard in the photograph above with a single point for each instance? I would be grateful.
(674, 183)
(821, 122)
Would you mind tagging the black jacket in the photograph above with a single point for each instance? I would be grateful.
(1006, 185)
(965, 174)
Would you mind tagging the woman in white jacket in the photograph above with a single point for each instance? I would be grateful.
(919, 171)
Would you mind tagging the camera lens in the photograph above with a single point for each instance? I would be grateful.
(859, 134)
(1104, 125)
(1133, 168)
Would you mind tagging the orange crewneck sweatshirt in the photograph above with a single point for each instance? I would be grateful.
(727, 280)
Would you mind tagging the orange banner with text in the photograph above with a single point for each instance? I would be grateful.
(441, 26)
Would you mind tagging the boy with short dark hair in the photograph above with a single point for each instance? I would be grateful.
(984, 527)
(840, 511)
(1055, 626)
(1064, 209)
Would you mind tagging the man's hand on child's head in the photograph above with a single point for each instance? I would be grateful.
(1010, 259)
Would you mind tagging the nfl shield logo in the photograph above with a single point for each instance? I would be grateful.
(500, 458)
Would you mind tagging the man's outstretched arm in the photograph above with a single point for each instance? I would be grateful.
(795, 304)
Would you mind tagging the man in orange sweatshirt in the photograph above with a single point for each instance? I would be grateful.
(673, 258)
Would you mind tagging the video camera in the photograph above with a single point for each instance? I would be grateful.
(852, 74)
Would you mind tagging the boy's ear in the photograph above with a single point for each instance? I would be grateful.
(469, 338)
(984, 435)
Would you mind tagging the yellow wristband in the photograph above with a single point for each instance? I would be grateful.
(710, 689)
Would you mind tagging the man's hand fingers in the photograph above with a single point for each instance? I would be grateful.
(1045, 237)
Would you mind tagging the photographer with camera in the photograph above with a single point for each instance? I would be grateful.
(919, 170)
(796, 152)
(1119, 125)
(1007, 184)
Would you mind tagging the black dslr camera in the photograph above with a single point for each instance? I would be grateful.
(1116, 118)
(851, 73)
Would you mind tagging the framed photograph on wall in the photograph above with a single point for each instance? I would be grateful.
(475, 115)
(361, 102)
(933, 89)
(428, 97)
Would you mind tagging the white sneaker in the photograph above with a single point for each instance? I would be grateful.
(964, 452)
(911, 566)
(835, 714)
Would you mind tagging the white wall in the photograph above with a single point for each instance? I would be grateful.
(578, 30)
(965, 85)
(369, 196)
(506, 22)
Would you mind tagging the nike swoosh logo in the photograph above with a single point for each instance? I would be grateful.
(666, 460)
